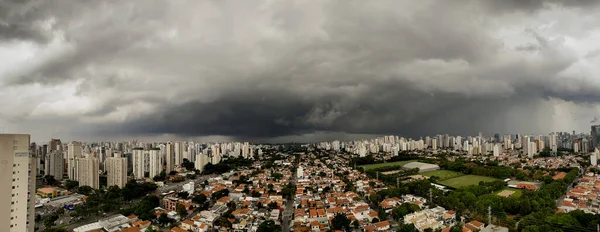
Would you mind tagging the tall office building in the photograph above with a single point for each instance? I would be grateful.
(155, 162)
(54, 165)
(139, 164)
(201, 161)
(88, 171)
(595, 136)
(74, 152)
(116, 168)
(17, 169)
(178, 153)
(170, 156)
(55, 145)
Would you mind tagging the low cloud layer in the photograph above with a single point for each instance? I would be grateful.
(296, 70)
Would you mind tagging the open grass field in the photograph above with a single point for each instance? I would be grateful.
(504, 192)
(442, 174)
(373, 166)
(466, 180)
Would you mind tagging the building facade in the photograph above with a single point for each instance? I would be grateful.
(17, 202)
(116, 168)
(88, 171)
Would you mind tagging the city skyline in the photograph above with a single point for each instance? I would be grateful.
(289, 71)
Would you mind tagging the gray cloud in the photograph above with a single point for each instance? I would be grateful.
(290, 69)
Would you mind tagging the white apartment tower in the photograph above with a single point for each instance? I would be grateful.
(54, 165)
(178, 153)
(201, 161)
(16, 203)
(507, 142)
(139, 164)
(155, 163)
(170, 156)
(74, 152)
(116, 168)
(88, 171)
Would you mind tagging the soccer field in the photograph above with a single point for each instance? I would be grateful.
(442, 174)
(373, 166)
(466, 180)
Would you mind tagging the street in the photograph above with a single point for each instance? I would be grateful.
(288, 211)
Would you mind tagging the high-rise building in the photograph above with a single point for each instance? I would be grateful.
(17, 169)
(55, 145)
(178, 153)
(595, 136)
(88, 171)
(116, 168)
(497, 149)
(507, 142)
(74, 152)
(170, 156)
(54, 165)
(201, 161)
(155, 162)
(139, 164)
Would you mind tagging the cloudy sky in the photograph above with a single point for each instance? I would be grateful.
(301, 70)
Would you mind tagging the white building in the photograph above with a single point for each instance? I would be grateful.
(170, 156)
(201, 161)
(54, 165)
(178, 153)
(88, 171)
(74, 152)
(497, 150)
(117, 170)
(18, 201)
(594, 157)
(300, 172)
(155, 163)
(189, 188)
(139, 163)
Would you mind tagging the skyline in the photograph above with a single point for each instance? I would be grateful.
(294, 71)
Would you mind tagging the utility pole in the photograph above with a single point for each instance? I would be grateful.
(489, 215)
(598, 227)
(398, 182)
(377, 175)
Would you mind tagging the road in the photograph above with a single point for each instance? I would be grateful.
(288, 211)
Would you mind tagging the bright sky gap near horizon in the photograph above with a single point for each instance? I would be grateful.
(296, 70)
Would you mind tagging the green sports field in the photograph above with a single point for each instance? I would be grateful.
(466, 180)
(373, 166)
(442, 174)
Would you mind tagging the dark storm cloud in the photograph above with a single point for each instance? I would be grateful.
(255, 70)
(18, 19)
(531, 6)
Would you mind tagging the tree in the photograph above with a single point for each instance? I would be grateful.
(272, 205)
(268, 226)
(49, 220)
(55, 229)
(50, 180)
(355, 224)
(277, 176)
(199, 199)
(181, 211)
(187, 165)
(340, 222)
(85, 190)
(164, 220)
(375, 220)
(183, 195)
(71, 184)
